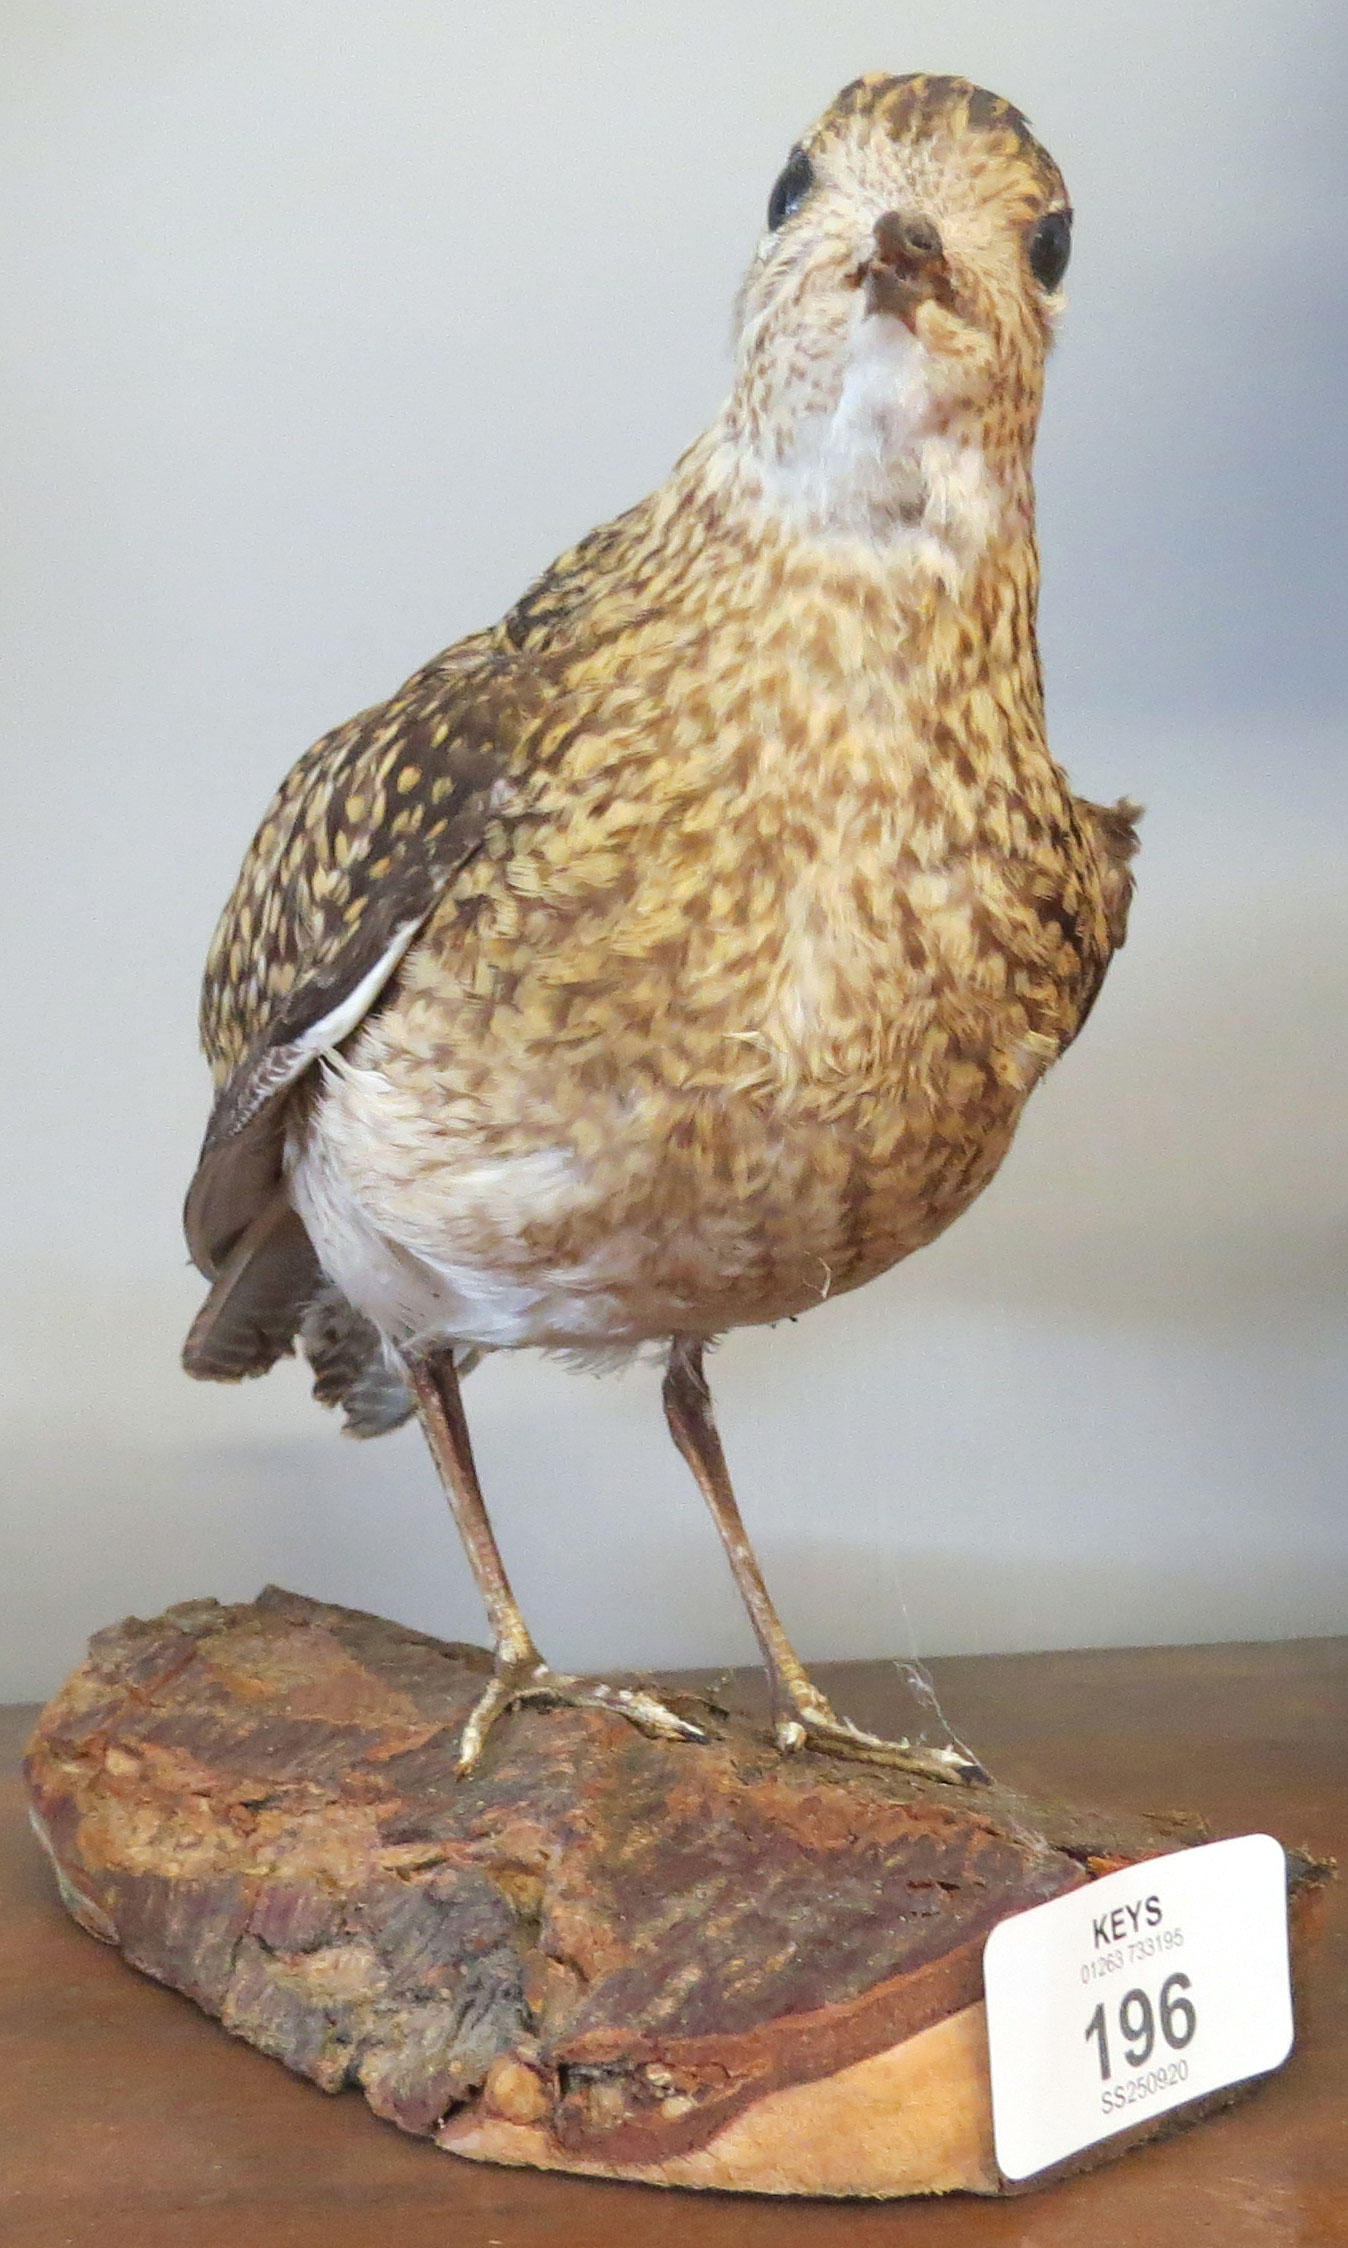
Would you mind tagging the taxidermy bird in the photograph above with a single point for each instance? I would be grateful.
(683, 949)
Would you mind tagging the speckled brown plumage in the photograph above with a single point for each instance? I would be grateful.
(683, 949)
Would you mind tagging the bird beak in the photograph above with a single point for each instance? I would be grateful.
(905, 266)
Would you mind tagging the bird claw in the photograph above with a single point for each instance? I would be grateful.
(813, 1723)
(535, 1682)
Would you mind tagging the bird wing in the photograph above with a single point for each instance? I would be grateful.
(353, 853)
(1112, 832)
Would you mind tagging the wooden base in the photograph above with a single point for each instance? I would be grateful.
(695, 1965)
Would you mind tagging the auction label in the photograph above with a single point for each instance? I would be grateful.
(1134, 1994)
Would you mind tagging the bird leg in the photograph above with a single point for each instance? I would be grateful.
(520, 1673)
(800, 1712)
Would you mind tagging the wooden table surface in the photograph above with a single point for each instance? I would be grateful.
(128, 2120)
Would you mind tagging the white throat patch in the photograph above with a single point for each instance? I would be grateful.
(876, 469)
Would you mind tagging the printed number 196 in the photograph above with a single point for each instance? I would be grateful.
(1138, 2020)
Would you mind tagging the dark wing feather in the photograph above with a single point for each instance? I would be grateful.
(355, 850)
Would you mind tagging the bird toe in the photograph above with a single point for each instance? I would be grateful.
(535, 1682)
(815, 1725)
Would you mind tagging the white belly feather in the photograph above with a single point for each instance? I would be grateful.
(444, 1260)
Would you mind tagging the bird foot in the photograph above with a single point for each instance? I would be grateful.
(807, 1719)
(533, 1681)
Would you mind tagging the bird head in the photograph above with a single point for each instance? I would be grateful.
(894, 322)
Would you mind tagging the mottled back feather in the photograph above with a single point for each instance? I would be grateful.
(356, 847)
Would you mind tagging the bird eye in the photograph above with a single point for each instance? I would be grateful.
(791, 190)
(1050, 248)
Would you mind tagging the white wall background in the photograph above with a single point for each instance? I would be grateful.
(326, 325)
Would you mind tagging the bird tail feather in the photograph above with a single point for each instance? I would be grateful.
(351, 1366)
(270, 1295)
(257, 1300)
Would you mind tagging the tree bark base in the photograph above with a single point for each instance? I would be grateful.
(698, 1965)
